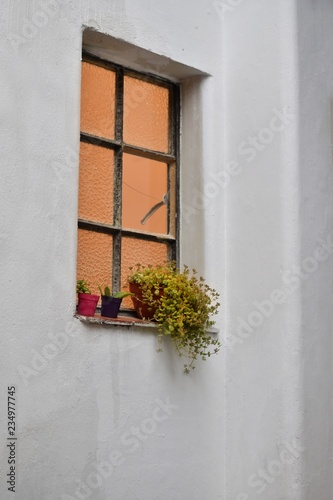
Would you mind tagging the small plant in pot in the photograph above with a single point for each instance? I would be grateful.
(87, 302)
(181, 303)
(111, 303)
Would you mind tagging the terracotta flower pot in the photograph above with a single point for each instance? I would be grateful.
(110, 306)
(140, 308)
(87, 304)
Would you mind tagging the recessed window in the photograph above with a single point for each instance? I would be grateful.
(128, 173)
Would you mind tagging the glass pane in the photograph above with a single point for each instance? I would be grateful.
(96, 183)
(94, 258)
(146, 115)
(97, 100)
(134, 250)
(145, 194)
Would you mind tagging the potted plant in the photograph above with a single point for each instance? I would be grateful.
(87, 302)
(111, 303)
(182, 305)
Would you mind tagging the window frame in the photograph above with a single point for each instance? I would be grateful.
(172, 158)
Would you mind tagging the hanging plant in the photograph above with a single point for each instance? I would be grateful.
(181, 303)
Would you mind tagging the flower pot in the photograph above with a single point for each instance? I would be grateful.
(140, 308)
(110, 306)
(87, 304)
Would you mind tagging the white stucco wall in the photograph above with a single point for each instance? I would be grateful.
(256, 421)
(279, 215)
(264, 410)
(316, 218)
(77, 412)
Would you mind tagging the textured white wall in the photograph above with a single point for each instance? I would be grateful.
(80, 405)
(279, 274)
(264, 410)
(316, 217)
(256, 420)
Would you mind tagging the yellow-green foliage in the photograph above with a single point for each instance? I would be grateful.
(184, 309)
(82, 286)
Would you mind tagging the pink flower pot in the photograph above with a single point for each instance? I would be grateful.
(87, 304)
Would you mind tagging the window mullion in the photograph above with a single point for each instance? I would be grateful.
(117, 181)
(116, 262)
(119, 105)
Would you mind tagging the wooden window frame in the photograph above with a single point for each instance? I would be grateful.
(120, 147)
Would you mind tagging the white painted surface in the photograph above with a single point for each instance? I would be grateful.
(81, 406)
(279, 378)
(242, 411)
(316, 217)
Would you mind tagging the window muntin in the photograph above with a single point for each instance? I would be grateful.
(128, 172)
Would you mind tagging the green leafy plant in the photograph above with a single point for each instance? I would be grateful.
(182, 304)
(121, 295)
(82, 286)
(117, 295)
(107, 291)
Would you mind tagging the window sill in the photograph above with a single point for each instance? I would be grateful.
(120, 321)
(126, 321)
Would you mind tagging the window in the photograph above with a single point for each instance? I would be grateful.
(128, 197)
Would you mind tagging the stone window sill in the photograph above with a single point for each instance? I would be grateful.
(125, 321)
(120, 321)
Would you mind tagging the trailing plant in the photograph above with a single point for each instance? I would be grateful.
(82, 286)
(183, 305)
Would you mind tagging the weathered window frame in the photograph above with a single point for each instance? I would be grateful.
(119, 147)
